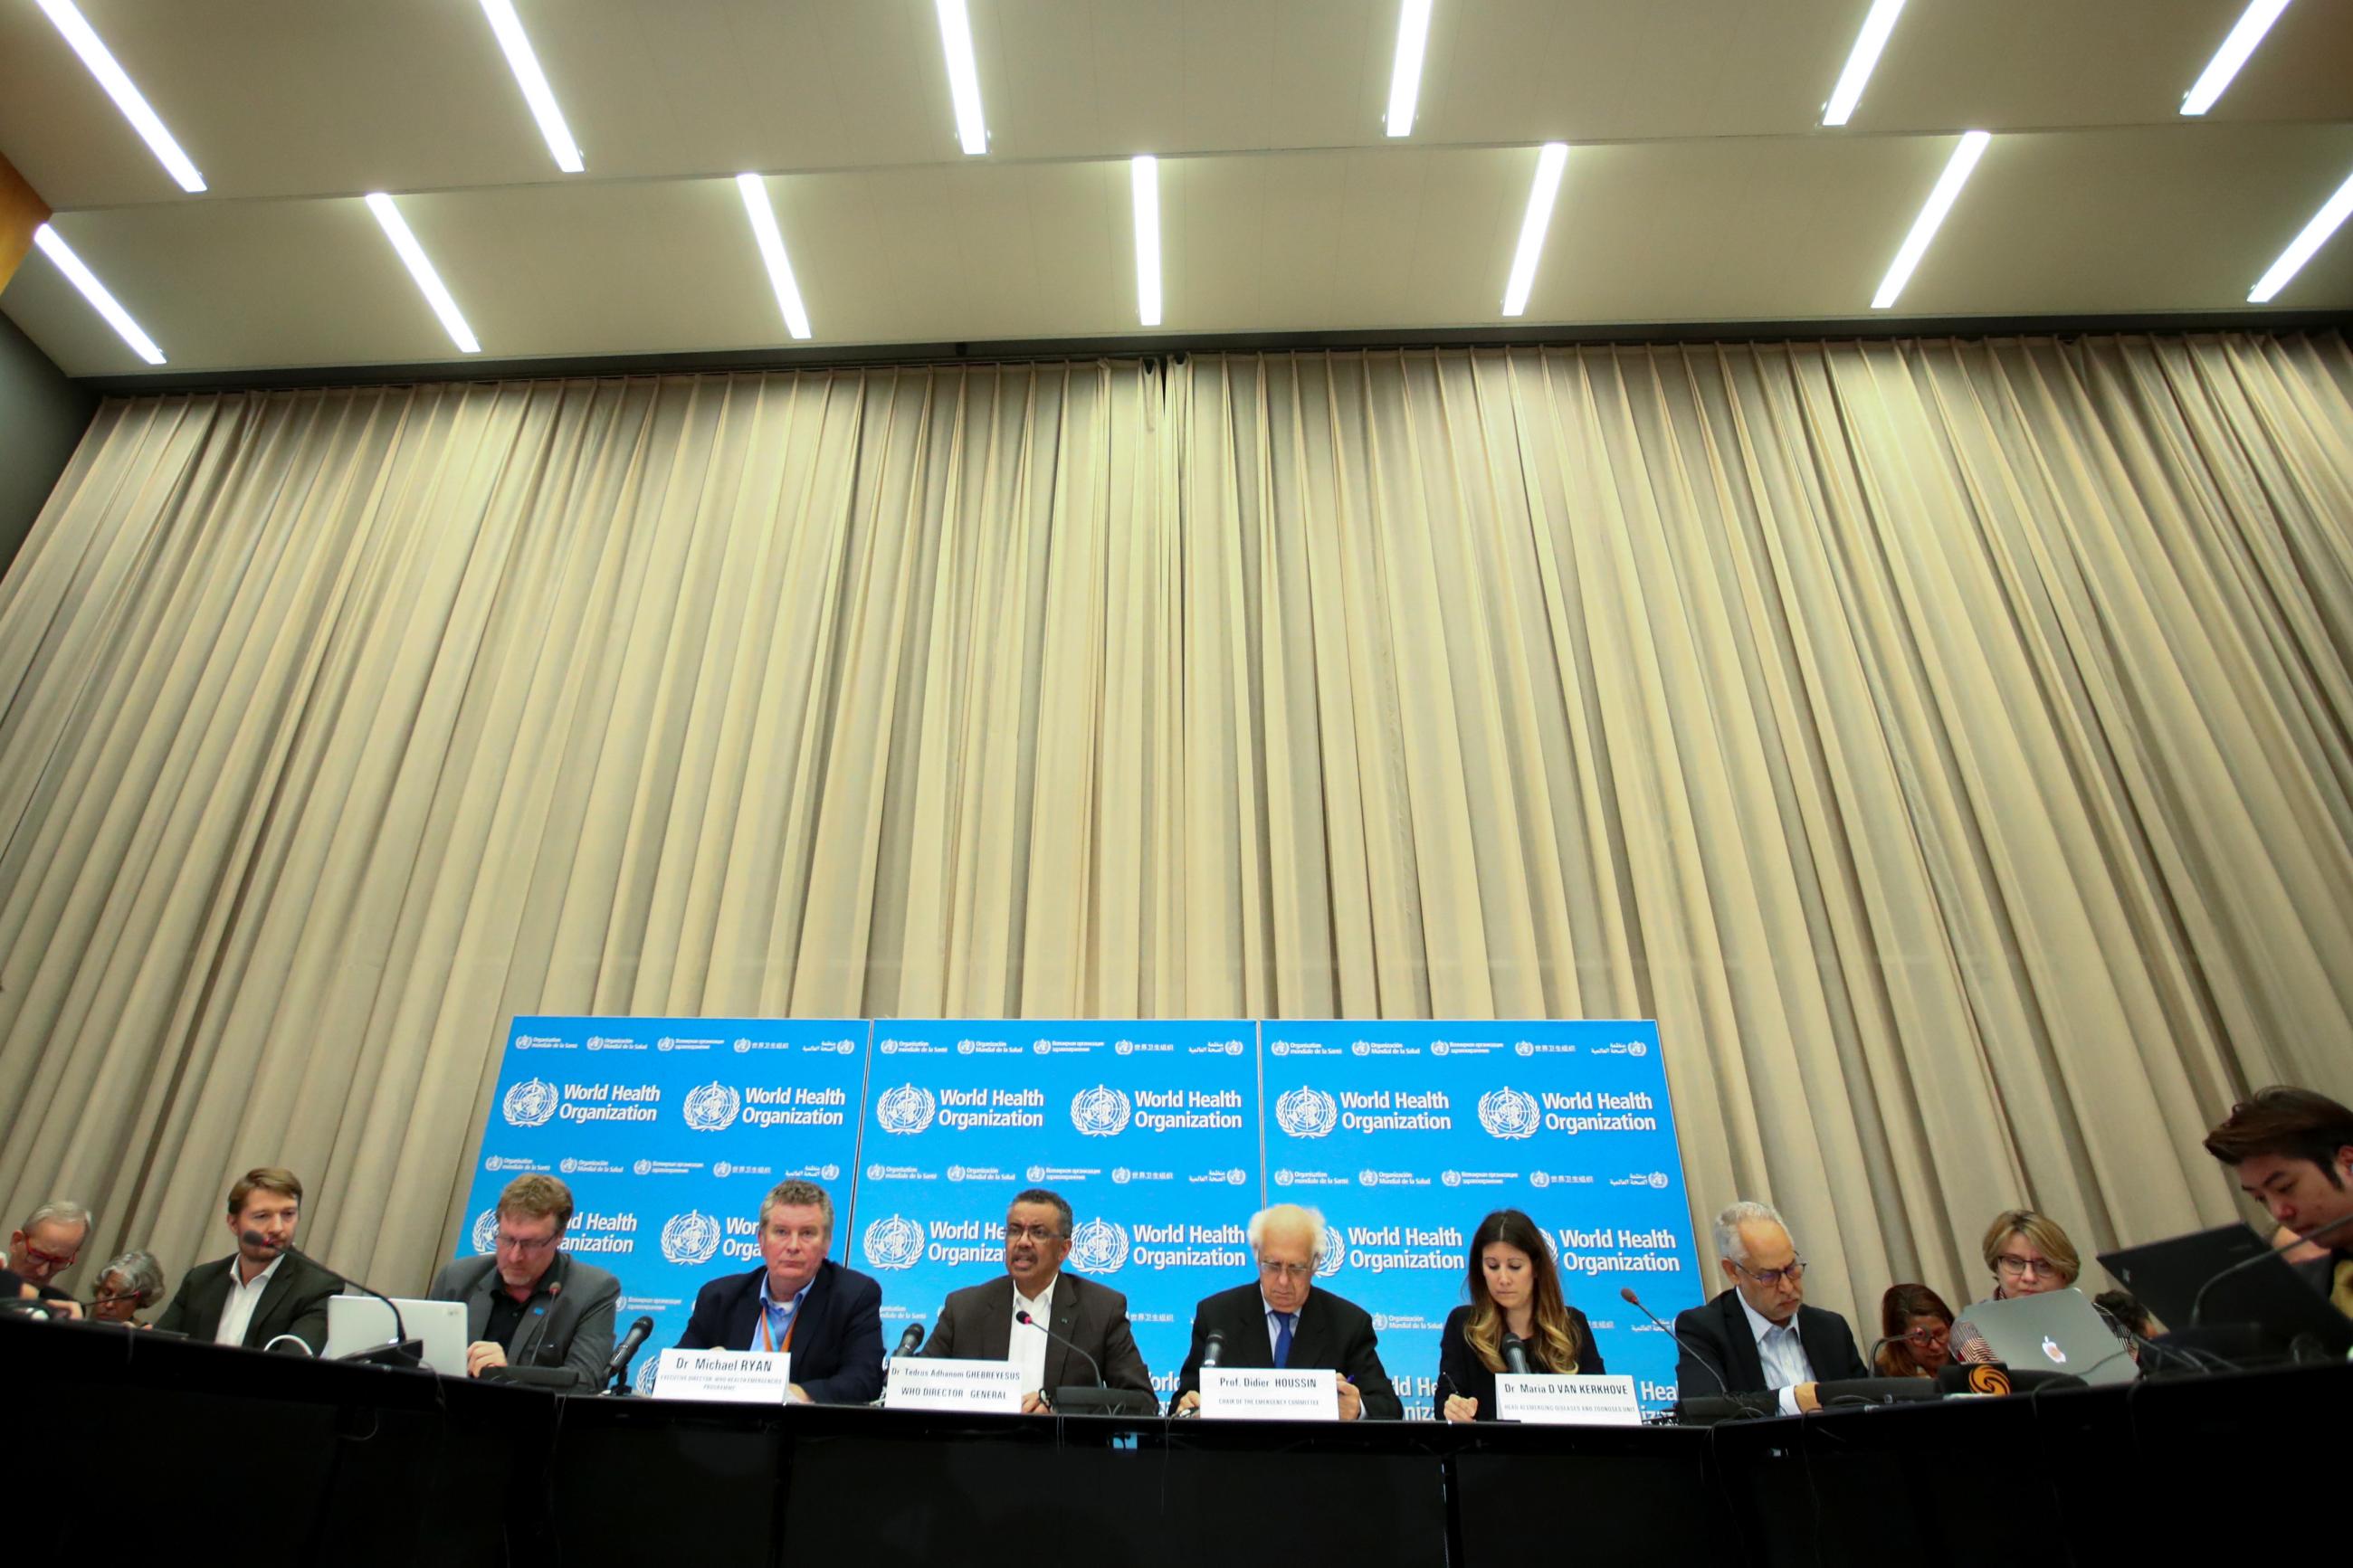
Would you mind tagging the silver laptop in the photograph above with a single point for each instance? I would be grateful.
(2057, 1331)
(363, 1322)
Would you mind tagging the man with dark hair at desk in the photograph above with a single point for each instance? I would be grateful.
(1759, 1335)
(530, 1305)
(256, 1294)
(2292, 1151)
(984, 1321)
(1280, 1320)
(828, 1318)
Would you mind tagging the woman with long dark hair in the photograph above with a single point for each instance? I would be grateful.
(1514, 1291)
(1917, 1328)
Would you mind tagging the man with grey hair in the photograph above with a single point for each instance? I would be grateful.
(1760, 1336)
(1280, 1320)
(48, 1242)
(828, 1318)
(1010, 1320)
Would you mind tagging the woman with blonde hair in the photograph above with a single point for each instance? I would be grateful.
(1515, 1302)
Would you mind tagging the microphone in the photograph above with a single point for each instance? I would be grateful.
(411, 1357)
(914, 1336)
(618, 1369)
(1025, 1317)
(1627, 1296)
(2198, 1303)
(1515, 1354)
(1213, 1348)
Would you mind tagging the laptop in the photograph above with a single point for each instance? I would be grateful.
(363, 1322)
(2167, 1276)
(2057, 1331)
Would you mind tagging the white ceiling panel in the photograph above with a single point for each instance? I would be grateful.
(1701, 188)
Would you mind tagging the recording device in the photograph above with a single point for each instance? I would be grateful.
(1213, 1348)
(1515, 1354)
(402, 1352)
(1102, 1399)
(1723, 1388)
(914, 1337)
(616, 1369)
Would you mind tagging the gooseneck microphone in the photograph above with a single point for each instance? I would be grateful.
(909, 1341)
(1627, 1294)
(2198, 1303)
(1027, 1320)
(1213, 1348)
(617, 1370)
(1515, 1354)
(399, 1329)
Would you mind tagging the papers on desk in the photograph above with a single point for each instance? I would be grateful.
(737, 1377)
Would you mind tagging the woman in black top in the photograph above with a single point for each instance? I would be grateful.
(1514, 1291)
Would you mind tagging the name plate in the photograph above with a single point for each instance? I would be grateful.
(1259, 1393)
(1546, 1401)
(737, 1377)
(924, 1382)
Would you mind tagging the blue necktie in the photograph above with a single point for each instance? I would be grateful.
(1281, 1337)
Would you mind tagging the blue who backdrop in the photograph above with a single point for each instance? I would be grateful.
(1165, 1136)
(669, 1131)
(1149, 1129)
(1407, 1134)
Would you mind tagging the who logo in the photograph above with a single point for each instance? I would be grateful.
(894, 1243)
(486, 1232)
(1509, 1113)
(690, 1238)
(1101, 1111)
(1332, 1252)
(710, 1107)
(1305, 1112)
(531, 1103)
(1098, 1247)
(906, 1110)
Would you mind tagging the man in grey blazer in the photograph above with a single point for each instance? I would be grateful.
(530, 1305)
(981, 1321)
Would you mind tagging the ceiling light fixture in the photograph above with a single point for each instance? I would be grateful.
(95, 55)
(2315, 233)
(2254, 23)
(1144, 179)
(1861, 59)
(964, 75)
(755, 191)
(82, 278)
(1923, 227)
(534, 82)
(1550, 162)
(396, 230)
(1405, 77)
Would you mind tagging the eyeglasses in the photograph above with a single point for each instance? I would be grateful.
(1929, 1336)
(527, 1245)
(2025, 1268)
(1285, 1271)
(1033, 1232)
(1768, 1278)
(51, 1258)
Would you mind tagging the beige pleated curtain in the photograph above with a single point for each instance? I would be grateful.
(1948, 743)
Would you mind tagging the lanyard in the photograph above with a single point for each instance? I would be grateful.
(768, 1334)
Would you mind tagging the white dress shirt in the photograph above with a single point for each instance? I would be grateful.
(1783, 1353)
(1028, 1346)
(237, 1312)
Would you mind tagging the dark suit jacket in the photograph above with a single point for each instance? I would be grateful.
(978, 1321)
(837, 1334)
(568, 1323)
(1720, 1331)
(1333, 1332)
(1459, 1370)
(293, 1302)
